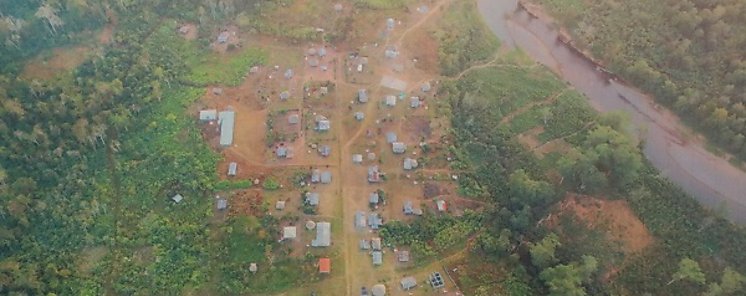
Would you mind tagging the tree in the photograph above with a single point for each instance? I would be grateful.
(563, 280)
(49, 13)
(731, 282)
(688, 270)
(542, 253)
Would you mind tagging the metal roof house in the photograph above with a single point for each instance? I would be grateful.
(409, 209)
(227, 121)
(410, 163)
(326, 177)
(375, 244)
(323, 125)
(390, 24)
(284, 95)
(177, 198)
(232, 168)
(408, 283)
(398, 147)
(325, 150)
(282, 152)
(323, 235)
(374, 176)
(221, 204)
(315, 176)
(374, 221)
(374, 198)
(289, 232)
(288, 74)
(436, 280)
(357, 158)
(280, 205)
(403, 256)
(359, 116)
(223, 37)
(208, 115)
(217, 91)
(322, 51)
(377, 257)
(391, 137)
(442, 206)
(414, 102)
(312, 198)
(364, 244)
(425, 87)
(362, 95)
(360, 221)
(391, 100)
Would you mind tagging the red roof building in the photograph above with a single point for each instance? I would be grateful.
(325, 265)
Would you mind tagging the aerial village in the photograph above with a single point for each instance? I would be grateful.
(336, 142)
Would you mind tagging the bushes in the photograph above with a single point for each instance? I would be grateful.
(464, 40)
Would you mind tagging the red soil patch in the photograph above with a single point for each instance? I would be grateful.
(246, 202)
(615, 216)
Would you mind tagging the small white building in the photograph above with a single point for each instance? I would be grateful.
(289, 233)
(398, 147)
(391, 100)
(232, 169)
(208, 115)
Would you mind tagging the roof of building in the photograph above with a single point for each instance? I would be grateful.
(373, 198)
(222, 204)
(325, 150)
(217, 91)
(390, 100)
(362, 95)
(322, 51)
(360, 221)
(323, 125)
(377, 257)
(425, 87)
(288, 73)
(378, 290)
(315, 176)
(284, 95)
(374, 221)
(410, 163)
(408, 207)
(280, 205)
(403, 256)
(223, 37)
(408, 283)
(371, 156)
(391, 52)
(442, 206)
(208, 115)
(375, 243)
(373, 174)
(289, 232)
(326, 177)
(357, 158)
(227, 121)
(398, 147)
(391, 137)
(359, 115)
(364, 244)
(177, 198)
(282, 151)
(323, 235)
(311, 51)
(232, 168)
(436, 280)
(414, 102)
(325, 265)
(312, 198)
(294, 119)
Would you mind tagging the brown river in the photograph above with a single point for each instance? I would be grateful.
(710, 179)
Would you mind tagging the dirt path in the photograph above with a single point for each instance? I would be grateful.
(433, 11)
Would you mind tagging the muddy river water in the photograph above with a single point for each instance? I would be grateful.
(710, 179)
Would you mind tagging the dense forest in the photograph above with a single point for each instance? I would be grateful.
(689, 54)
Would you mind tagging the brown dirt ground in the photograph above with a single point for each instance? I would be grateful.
(246, 202)
(62, 60)
(193, 31)
(613, 215)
